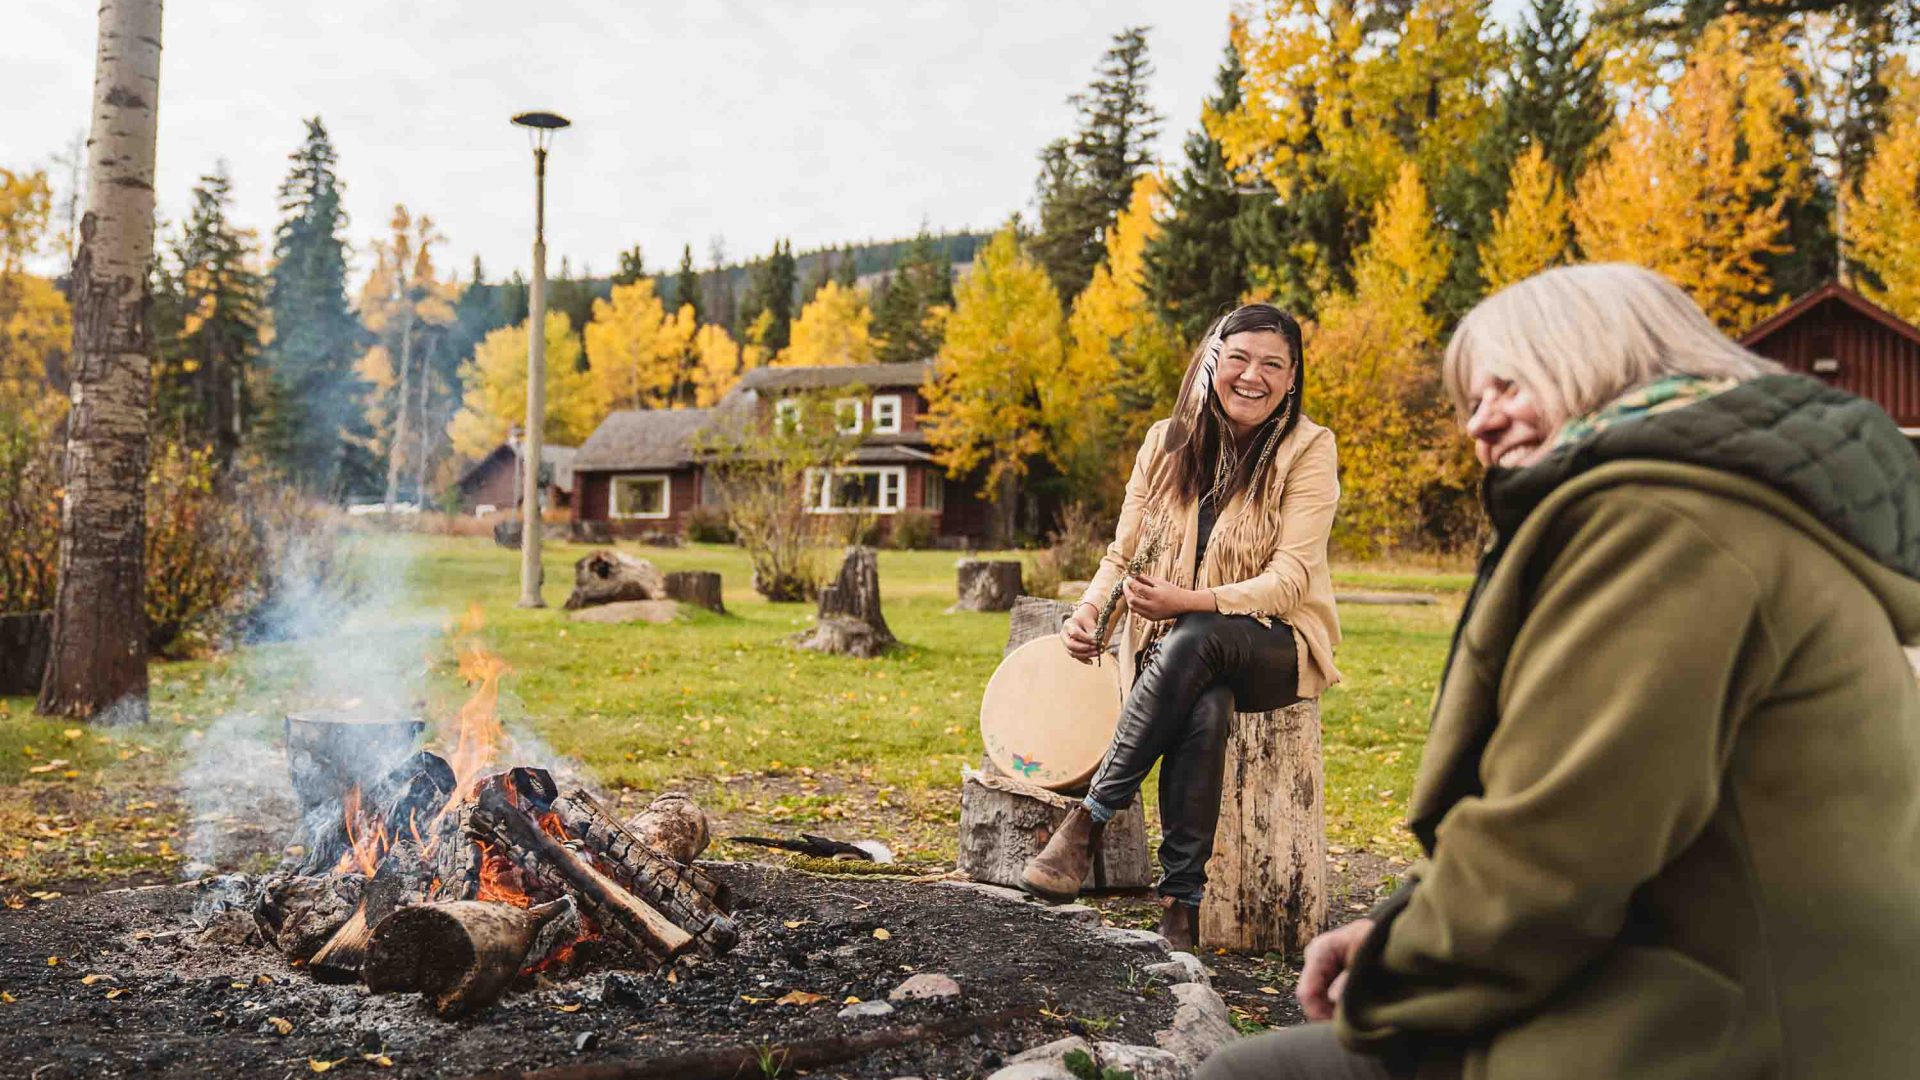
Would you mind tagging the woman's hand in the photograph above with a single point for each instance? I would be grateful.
(1077, 633)
(1324, 975)
(1157, 599)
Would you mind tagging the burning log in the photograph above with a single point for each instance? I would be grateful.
(402, 802)
(691, 899)
(672, 825)
(403, 878)
(507, 812)
(462, 955)
(303, 913)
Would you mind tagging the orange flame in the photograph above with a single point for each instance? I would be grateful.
(365, 848)
(477, 732)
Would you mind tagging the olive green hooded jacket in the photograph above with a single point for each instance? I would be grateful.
(1671, 794)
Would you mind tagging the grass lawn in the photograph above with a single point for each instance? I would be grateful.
(768, 737)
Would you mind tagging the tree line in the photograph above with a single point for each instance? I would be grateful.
(1378, 167)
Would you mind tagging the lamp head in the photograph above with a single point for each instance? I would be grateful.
(541, 126)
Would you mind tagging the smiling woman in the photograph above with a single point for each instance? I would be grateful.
(1221, 558)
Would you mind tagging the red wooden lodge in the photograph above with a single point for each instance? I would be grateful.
(1835, 334)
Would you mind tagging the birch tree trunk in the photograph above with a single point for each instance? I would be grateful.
(402, 400)
(97, 668)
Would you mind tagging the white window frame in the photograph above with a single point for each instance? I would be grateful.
(820, 488)
(666, 496)
(890, 426)
(840, 408)
(787, 414)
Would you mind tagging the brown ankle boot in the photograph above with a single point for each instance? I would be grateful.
(1055, 874)
(1179, 924)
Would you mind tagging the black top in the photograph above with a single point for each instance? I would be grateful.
(1208, 513)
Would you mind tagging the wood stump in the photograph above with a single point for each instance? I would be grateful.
(849, 620)
(988, 585)
(607, 576)
(698, 587)
(590, 531)
(1004, 822)
(1267, 880)
(24, 642)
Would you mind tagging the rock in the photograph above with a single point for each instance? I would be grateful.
(1079, 913)
(622, 989)
(926, 986)
(1201, 1025)
(998, 892)
(657, 612)
(866, 1010)
(606, 576)
(585, 1041)
(1184, 967)
(1142, 1062)
(1055, 1051)
(1034, 1070)
(1143, 940)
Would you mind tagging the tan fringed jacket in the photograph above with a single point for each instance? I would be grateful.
(1267, 556)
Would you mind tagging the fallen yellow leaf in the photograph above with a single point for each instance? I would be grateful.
(91, 979)
(800, 997)
(262, 980)
(795, 924)
(44, 896)
(6, 998)
(751, 1000)
(281, 1024)
(880, 934)
(378, 1060)
(1270, 991)
(673, 976)
(117, 993)
(321, 1066)
(73, 733)
(572, 1008)
(53, 961)
(851, 1000)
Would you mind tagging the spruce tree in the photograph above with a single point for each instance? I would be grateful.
(314, 429)
(686, 284)
(219, 294)
(1197, 264)
(846, 269)
(922, 277)
(1555, 98)
(633, 267)
(1085, 180)
(770, 292)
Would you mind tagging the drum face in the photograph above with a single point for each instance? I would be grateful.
(1046, 718)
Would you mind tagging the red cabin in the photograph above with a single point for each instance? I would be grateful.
(1835, 334)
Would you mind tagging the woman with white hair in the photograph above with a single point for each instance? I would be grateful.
(1220, 556)
(1670, 799)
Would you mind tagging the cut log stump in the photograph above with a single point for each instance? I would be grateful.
(1004, 822)
(849, 621)
(988, 585)
(462, 954)
(701, 587)
(603, 577)
(1267, 880)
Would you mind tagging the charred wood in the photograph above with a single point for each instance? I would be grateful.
(687, 896)
(672, 825)
(462, 954)
(403, 878)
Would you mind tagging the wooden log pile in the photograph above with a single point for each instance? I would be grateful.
(455, 894)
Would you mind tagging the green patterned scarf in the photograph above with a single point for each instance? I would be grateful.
(1661, 395)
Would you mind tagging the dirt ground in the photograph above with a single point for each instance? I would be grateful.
(108, 985)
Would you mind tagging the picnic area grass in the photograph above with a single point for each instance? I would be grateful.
(768, 737)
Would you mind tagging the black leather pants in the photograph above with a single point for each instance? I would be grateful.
(1204, 670)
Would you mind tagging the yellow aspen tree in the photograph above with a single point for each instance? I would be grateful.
(995, 377)
(1372, 378)
(36, 323)
(1122, 362)
(1697, 190)
(636, 348)
(835, 328)
(718, 364)
(495, 398)
(1883, 226)
(1531, 232)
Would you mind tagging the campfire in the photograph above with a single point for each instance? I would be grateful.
(447, 875)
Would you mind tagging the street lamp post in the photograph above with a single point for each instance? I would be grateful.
(540, 126)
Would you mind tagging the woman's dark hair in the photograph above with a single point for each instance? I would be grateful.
(1193, 467)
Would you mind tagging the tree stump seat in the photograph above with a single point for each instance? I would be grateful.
(987, 585)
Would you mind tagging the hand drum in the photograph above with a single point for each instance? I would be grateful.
(1047, 718)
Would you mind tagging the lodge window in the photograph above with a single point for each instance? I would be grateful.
(880, 490)
(886, 414)
(639, 497)
(933, 493)
(847, 414)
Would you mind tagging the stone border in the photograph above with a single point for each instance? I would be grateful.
(1201, 1025)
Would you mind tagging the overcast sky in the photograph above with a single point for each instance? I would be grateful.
(824, 122)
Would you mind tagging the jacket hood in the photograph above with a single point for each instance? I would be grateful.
(1836, 456)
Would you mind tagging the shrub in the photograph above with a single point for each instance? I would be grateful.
(203, 555)
(709, 525)
(1079, 543)
(1041, 575)
(29, 517)
(912, 530)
